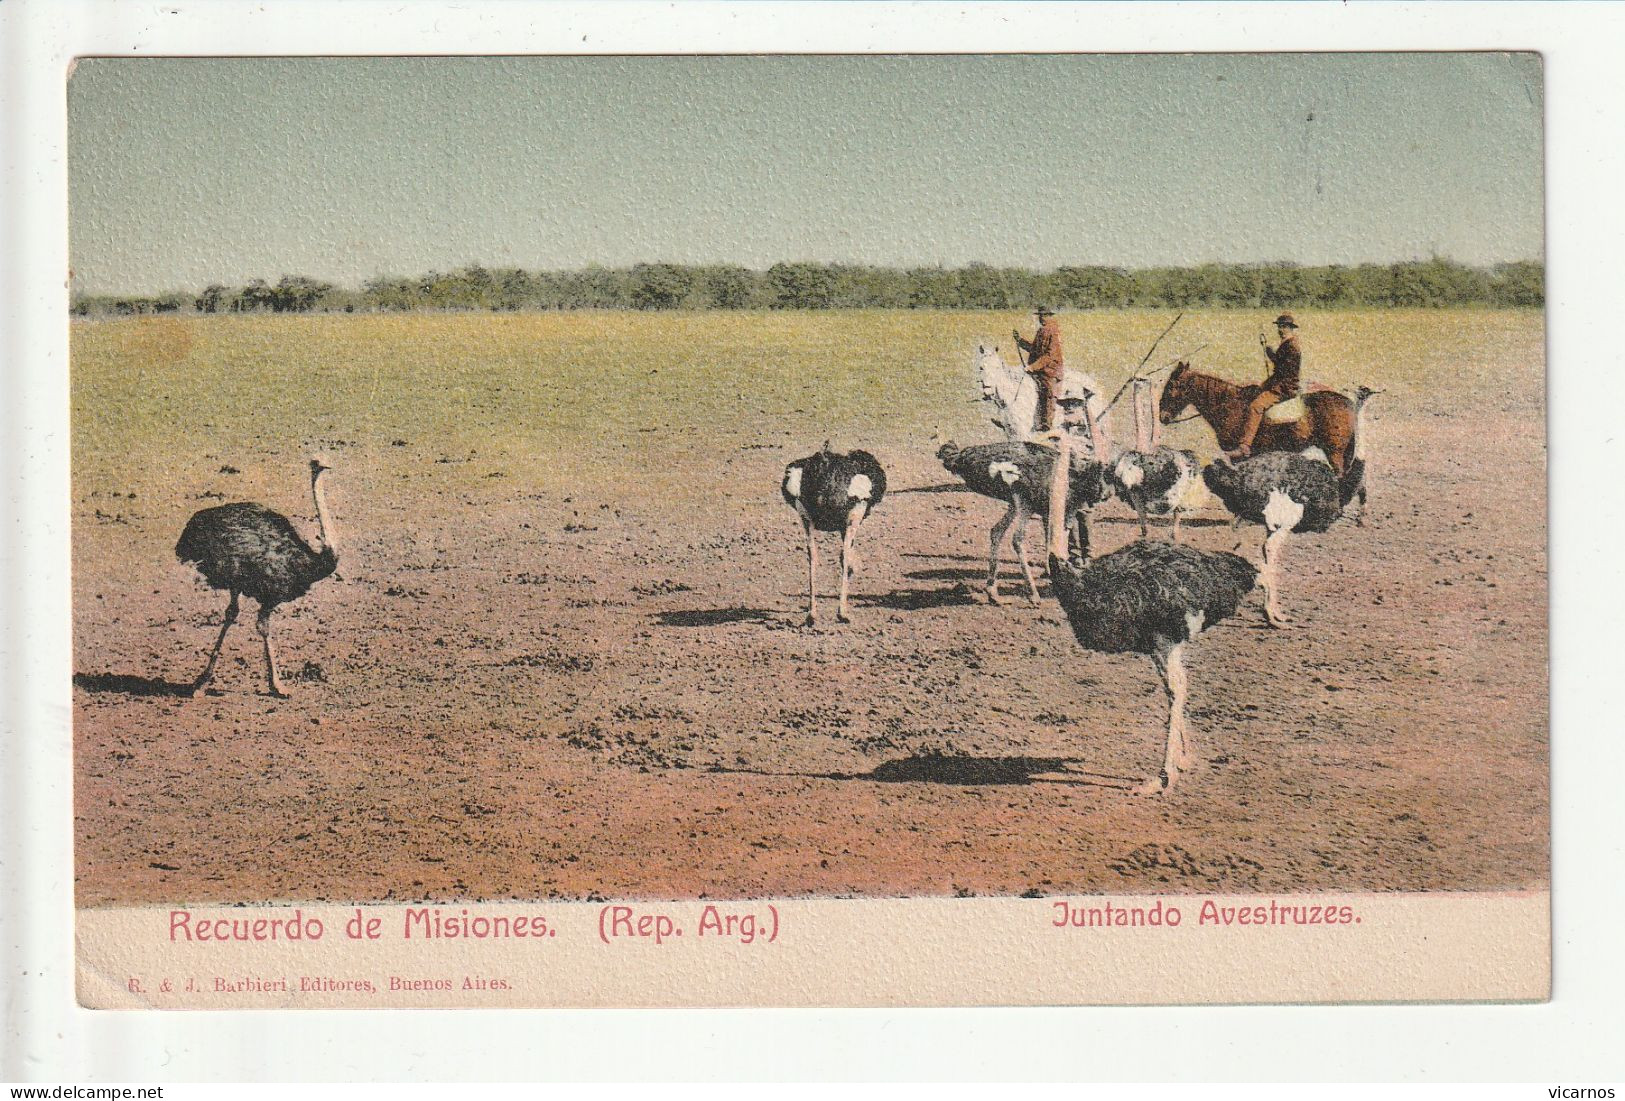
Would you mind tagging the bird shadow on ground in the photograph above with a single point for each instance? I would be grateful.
(129, 684)
(914, 600)
(934, 768)
(946, 487)
(963, 573)
(715, 617)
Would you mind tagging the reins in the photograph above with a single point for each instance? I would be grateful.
(1199, 382)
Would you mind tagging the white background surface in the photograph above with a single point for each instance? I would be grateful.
(1575, 1038)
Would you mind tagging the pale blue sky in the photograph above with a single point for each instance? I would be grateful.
(190, 171)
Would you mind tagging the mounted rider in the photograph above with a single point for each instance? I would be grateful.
(1285, 359)
(1044, 364)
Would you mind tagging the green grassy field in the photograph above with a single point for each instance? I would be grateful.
(153, 396)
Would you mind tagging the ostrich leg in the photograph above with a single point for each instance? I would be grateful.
(207, 675)
(1168, 657)
(1178, 512)
(994, 539)
(1180, 743)
(1269, 578)
(812, 566)
(263, 622)
(1019, 542)
(1139, 506)
(849, 556)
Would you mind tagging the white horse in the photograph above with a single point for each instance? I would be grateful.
(1014, 396)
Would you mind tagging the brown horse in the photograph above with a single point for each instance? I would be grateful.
(1329, 421)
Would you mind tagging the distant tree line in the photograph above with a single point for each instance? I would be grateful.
(819, 286)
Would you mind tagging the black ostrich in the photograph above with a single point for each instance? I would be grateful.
(1150, 597)
(1154, 482)
(249, 550)
(833, 492)
(1286, 492)
(1020, 475)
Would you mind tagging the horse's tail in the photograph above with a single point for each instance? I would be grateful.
(1352, 481)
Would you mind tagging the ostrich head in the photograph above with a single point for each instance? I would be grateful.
(319, 462)
(1073, 392)
(1074, 414)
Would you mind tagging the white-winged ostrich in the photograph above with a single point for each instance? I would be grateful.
(1020, 474)
(249, 550)
(1154, 482)
(1150, 597)
(832, 491)
(1152, 478)
(1286, 492)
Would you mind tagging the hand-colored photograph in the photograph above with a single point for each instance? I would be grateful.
(1082, 483)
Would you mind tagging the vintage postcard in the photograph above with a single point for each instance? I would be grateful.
(786, 531)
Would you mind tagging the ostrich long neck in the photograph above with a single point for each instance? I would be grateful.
(1057, 495)
(1145, 416)
(323, 519)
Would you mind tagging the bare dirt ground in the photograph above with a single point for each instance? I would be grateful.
(513, 694)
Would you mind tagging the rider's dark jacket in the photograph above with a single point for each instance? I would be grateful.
(1287, 359)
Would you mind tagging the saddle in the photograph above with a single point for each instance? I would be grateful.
(1292, 409)
(1286, 412)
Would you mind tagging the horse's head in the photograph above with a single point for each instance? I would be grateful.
(1010, 391)
(991, 374)
(1176, 394)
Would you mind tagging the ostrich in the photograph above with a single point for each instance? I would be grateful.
(833, 492)
(1151, 598)
(1152, 478)
(249, 550)
(1285, 492)
(1020, 474)
(1154, 482)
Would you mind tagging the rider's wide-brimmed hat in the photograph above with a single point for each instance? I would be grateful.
(1286, 319)
(1044, 311)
